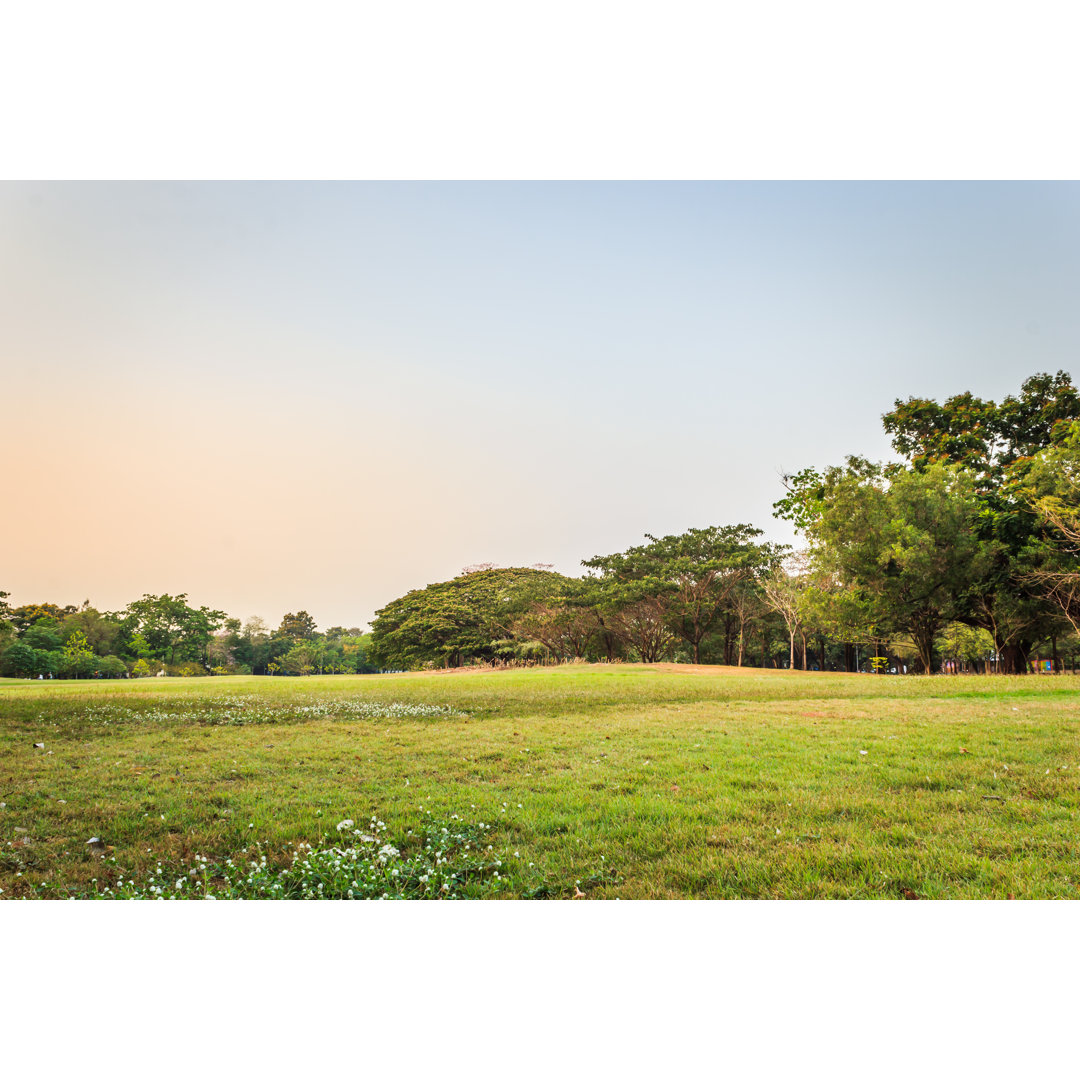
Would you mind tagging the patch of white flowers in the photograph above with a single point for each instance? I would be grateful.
(449, 864)
(236, 710)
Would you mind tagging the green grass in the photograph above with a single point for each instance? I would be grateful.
(620, 780)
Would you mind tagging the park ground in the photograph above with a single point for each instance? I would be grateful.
(602, 781)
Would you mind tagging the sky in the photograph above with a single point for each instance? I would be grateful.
(284, 396)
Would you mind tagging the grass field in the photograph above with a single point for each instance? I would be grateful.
(607, 781)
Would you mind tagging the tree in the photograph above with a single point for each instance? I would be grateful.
(964, 645)
(783, 586)
(19, 660)
(982, 437)
(906, 540)
(44, 634)
(172, 629)
(1053, 492)
(995, 446)
(455, 622)
(707, 568)
(7, 630)
(999, 445)
(301, 659)
(676, 587)
(298, 626)
(24, 617)
(111, 667)
(78, 656)
(567, 630)
(102, 631)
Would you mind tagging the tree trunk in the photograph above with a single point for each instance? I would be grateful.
(1014, 658)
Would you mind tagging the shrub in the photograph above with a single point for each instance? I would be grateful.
(112, 667)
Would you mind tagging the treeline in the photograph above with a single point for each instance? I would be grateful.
(165, 635)
(961, 557)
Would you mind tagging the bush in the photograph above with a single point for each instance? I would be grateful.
(111, 667)
(188, 670)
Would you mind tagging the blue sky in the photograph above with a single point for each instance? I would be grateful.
(288, 395)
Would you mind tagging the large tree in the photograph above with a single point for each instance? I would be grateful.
(994, 445)
(172, 629)
(677, 587)
(904, 540)
(1053, 491)
(456, 622)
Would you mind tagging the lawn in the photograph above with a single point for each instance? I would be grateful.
(606, 781)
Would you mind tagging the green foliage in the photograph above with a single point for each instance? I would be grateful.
(22, 661)
(967, 644)
(676, 588)
(102, 631)
(79, 660)
(172, 630)
(111, 667)
(901, 554)
(457, 622)
(300, 625)
(22, 618)
(982, 437)
(44, 634)
(908, 545)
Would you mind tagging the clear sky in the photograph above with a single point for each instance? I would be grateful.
(321, 395)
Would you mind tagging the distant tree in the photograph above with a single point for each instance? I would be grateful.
(298, 626)
(459, 621)
(783, 586)
(677, 587)
(7, 629)
(964, 645)
(301, 659)
(102, 631)
(79, 659)
(111, 667)
(568, 631)
(172, 629)
(19, 660)
(44, 634)
(251, 650)
(219, 650)
(22, 618)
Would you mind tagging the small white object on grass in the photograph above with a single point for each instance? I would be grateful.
(864, 752)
